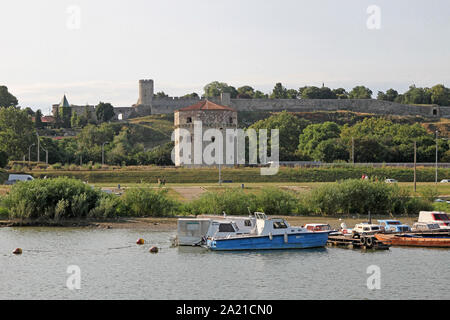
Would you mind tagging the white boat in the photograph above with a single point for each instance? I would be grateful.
(194, 231)
(275, 233)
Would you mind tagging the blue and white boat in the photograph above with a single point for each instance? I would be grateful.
(267, 234)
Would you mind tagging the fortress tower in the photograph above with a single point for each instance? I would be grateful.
(144, 103)
(211, 116)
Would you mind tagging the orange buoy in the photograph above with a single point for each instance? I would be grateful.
(17, 251)
(154, 250)
(140, 241)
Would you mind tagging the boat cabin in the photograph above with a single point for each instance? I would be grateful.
(438, 217)
(425, 226)
(318, 227)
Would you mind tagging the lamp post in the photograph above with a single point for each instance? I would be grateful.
(38, 147)
(103, 153)
(46, 156)
(29, 154)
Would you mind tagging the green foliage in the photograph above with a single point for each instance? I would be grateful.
(290, 127)
(148, 202)
(360, 92)
(280, 92)
(317, 93)
(313, 135)
(277, 202)
(16, 132)
(104, 111)
(361, 197)
(216, 88)
(6, 98)
(429, 194)
(230, 201)
(51, 199)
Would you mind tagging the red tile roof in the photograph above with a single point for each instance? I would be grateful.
(206, 105)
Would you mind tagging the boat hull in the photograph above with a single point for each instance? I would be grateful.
(414, 241)
(292, 241)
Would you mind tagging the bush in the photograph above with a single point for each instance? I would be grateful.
(57, 166)
(230, 201)
(429, 193)
(51, 199)
(108, 206)
(275, 201)
(360, 197)
(148, 202)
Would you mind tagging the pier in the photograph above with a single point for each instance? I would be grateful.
(365, 243)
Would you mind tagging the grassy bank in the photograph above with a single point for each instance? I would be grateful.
(64, 198)
(242, 175)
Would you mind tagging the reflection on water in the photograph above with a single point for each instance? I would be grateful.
(114, 267)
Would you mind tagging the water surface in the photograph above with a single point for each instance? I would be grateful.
(114, 267)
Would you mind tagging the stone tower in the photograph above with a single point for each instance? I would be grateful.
(144, 103)
(211, 116)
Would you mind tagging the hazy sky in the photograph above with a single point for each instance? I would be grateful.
(184, 44)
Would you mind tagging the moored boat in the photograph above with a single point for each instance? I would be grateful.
(275, 233)
(413, 240)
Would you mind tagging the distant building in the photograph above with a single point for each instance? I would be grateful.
(211, 116)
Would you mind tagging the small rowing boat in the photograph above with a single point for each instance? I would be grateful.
(413, 240)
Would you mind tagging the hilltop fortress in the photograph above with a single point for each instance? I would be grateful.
(148, 104)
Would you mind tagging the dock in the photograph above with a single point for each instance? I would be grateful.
(365, 242)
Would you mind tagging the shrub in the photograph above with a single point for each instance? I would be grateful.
(51, 198)
(57, 166)
(108, 206)
(230, 201)
(148, 202)
(429, 193)
(275, 201)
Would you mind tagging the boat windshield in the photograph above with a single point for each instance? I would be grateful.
(394, 223)
(279, 225)
(440, 216)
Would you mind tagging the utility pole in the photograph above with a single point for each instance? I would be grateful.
(29, 154)
(436, 169)
(38, 147)
(415, 161)
(353, 150)
(46, 156)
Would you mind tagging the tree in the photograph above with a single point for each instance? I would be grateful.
(317, 93)
(6, 98)
(215, 89)
(330, 150)
(38, 119)
(75, 120)
(279, 92)
(65, 114)
(314, 134)
(161, 94)
(192, 95)
(104, 112)
(289, 126)
(440, 95)
(259, 95)
(17, 132)
(417, 95)
(360, 92)
(245, 92)
(340, 93)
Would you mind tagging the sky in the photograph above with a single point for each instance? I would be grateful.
(98, 50)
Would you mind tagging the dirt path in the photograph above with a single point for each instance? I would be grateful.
(189, 193)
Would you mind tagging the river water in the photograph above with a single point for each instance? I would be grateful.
(112, 266)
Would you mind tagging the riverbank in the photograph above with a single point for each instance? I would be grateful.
(170, 224)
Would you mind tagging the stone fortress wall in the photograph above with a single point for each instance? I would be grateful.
(169, 105)
(147, 104)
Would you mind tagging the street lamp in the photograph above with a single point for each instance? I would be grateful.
(436, 167)
(29, 154)
(103, 153)
(46, 156)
